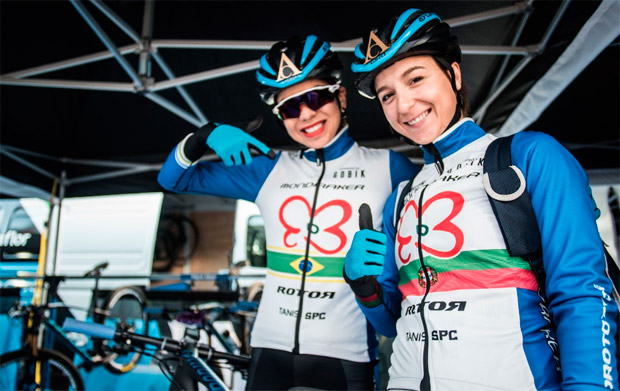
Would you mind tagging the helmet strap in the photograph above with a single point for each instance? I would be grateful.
(459, 98)
(343, 115)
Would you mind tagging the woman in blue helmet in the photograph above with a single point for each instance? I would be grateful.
(308, 331)
(467, 315)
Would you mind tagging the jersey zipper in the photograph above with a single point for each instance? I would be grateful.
(320, 160)
(432, 149)
(425, 383)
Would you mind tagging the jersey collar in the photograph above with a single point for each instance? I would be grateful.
(335, 148)
(459, 135)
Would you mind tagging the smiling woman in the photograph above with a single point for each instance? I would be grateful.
(417, 98)
(450, 264)
(307, 321)
(311, 112)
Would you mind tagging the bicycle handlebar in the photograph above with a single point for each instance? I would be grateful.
(92, 329)
(171, 345)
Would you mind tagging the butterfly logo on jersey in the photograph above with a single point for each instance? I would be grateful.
(326, 233)
(437, 227)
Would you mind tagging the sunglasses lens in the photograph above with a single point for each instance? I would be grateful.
(324, 97)
(313, 99)
(290, 109)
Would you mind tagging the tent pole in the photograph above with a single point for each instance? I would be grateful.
(26, 163)
(479, 115)
(251, 65)
(184, 94)
(163, 102)
(515, 39)
(113, 174)
(107, 42)
(345, 46)
(144, 67)
(70, 63)
(147, 50)
(554, 23)
(117, 20)
(206, 75)
(487, 15)
(594, 36)
(105, 163)
(52, 253)
(70, 84)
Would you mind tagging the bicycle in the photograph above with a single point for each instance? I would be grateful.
(227, 328)
(37, 364)
(185, 363)
(174, 233)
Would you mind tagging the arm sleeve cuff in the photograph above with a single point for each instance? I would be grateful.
(366, 289)
(195, 145)
(179, 155)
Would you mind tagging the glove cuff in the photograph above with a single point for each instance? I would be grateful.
(196, 145)
(366, 289)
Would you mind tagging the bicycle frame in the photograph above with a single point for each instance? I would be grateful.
(191, 368)
(88, 360)
(42, 331)
(35, 320)
(36, 317)
(207, 315)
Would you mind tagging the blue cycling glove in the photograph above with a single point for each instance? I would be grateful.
(364, 261)
(233, 145)
(228, 142)
(366, 255)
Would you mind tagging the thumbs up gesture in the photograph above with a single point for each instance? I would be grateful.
(366, 255)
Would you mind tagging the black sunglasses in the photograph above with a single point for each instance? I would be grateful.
(314, 98)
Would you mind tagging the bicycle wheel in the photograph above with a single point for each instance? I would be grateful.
(18, 369)
(126, 304)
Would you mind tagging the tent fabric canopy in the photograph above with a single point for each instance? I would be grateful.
(98, 92)
(596, 34)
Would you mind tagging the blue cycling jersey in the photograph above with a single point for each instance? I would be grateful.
(470, 315)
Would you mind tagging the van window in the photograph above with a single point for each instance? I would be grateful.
(256, 243)
(21, 240)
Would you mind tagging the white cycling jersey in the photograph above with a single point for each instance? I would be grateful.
(471, 317)
(300, 198)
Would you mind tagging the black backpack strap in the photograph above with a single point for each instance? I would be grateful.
(401, 203)
(506, 188)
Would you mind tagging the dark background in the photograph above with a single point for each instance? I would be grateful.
(118, 126)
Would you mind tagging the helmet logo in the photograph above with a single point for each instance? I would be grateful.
(287, 68)
(375, 47)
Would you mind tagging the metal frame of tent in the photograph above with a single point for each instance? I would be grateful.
(601, 29)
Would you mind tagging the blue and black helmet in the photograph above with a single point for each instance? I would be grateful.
(293, 61)
(414, 32)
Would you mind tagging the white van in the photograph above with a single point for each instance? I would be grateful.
(118, 229)
(249, 254)
(21, 223)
